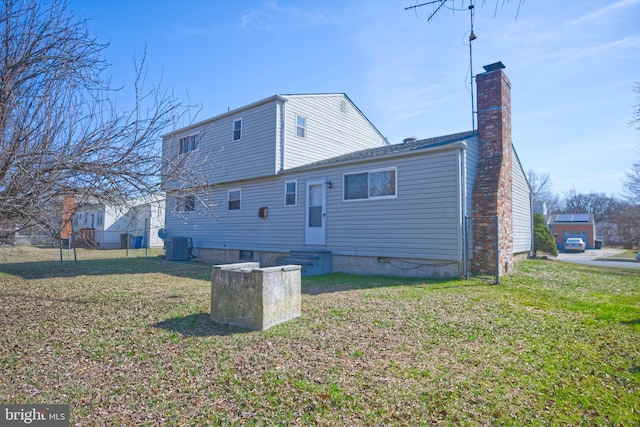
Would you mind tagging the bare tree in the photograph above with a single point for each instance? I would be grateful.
(541, 190)
(635, 122)
(627, 223)
(60, 131)
(632, 183)
(540, 185)
(599, 204)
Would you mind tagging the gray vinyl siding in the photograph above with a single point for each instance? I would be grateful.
(422, 222)
(521, 208)
(220, 159)
(330, 130)
(472, 157)
(267, 127)
(282, 230)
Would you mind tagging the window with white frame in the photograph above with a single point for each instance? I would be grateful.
(301, 127)
(188, 143)
(237, 129)
(100, 219)
(186, 203)
(290, 198)
(233, 199)
(374, 184)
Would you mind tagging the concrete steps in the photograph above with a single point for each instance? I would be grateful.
(312, 263)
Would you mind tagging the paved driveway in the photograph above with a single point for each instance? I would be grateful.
(595, 257)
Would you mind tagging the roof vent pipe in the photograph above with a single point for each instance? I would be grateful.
(409, 139)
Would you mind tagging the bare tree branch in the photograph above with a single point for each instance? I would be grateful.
(632, 182)
(60, 131)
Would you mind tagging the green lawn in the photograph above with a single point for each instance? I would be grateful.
(628, 254)
(128, 341)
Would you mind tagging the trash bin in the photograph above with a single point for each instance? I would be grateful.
(137, 244)
(598, 244)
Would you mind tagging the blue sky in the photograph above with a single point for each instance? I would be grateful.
(572, 67)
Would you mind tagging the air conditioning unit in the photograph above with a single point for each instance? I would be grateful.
(178, 248)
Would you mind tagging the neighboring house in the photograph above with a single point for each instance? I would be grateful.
(580, 225)
(107, 227)
(310, 174)
(540, 207)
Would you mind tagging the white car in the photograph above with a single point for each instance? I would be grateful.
(574, 244)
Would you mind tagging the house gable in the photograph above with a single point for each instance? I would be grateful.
(267, 137)
(334, 126)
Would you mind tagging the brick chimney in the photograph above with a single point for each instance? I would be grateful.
(492, 190)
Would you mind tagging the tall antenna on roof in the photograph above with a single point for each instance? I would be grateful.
(472, 37)
(437, 6)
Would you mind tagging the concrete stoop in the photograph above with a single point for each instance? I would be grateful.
(312, 263)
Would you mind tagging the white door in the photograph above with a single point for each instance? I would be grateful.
(315, 213)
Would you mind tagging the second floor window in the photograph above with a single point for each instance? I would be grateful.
(301, 127)
(237, 129)
(188, 143)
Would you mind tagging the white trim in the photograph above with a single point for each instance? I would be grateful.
(316, 235)
(295, 194)
(233, 129)
(229, 191)
(369, 171)
(304, 128)
(188, 135)
(181, 202)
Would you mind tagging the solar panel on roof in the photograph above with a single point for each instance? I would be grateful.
(583, 217)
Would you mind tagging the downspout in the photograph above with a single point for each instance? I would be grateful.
(532, 251)
(282, 133)
(462, 176)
